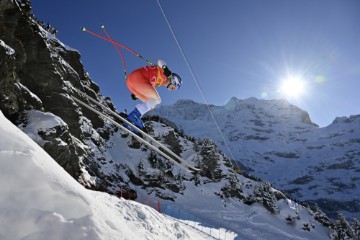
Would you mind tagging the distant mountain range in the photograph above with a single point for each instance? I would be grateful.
(278, 142)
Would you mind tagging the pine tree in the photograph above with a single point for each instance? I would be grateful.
(141, 168)
(197, 180)
(210, 157)
(342, 229)
(266, 197)
(153, 160)
(321, 217)
(356, 229)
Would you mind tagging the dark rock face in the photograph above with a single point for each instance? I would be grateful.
(38, 73)
(10, 103)
(14, 96)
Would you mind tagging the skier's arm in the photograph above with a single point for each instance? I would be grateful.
(162, 64)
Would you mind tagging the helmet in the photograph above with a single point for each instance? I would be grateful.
(176, 80)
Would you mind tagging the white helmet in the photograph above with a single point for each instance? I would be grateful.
(176, 80)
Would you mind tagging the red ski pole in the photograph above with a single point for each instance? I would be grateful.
(117, 49)
(118, 44)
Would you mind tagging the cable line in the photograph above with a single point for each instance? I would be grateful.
(195, 78)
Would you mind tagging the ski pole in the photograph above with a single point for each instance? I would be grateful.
(118, 44)
(117, 49)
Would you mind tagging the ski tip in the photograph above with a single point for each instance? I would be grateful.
(83, 28)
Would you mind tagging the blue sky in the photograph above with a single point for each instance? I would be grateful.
(235, 47)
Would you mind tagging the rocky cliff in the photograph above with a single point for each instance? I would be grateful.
(38, 72)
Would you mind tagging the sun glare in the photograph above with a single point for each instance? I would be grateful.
(292, 87)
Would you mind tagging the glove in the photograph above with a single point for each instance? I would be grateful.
(133, 97)
(167, 71)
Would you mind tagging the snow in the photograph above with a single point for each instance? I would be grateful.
(261, 133)
(9, 51)
(39, 200)
(34, 96)
(228, 218)
(40, 121)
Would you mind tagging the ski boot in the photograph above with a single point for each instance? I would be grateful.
(135, 118)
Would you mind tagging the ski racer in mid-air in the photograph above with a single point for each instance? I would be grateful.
(142, 83)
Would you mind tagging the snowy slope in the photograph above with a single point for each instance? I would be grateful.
(278, 143)
(39, 200)
(205, 201)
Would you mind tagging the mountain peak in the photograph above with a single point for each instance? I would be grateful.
(278, 108)
(234, 102)
(185, 102)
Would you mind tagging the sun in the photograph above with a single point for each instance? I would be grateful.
(292, 87)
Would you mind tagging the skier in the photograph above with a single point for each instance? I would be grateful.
(142, 83)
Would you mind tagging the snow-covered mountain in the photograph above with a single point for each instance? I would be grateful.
(38, 76)
(277, 142)
(40, 200)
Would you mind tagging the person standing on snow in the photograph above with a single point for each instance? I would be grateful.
(142, 83)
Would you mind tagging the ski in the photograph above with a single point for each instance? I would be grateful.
(131, 133)
(148, 140)
(168, 151)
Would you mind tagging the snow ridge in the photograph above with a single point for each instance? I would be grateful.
(277, 142)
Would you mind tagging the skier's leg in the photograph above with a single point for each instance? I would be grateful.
(147, 106)
(148, 92)
(142, 89)
(140, 86)
(137, 82)
(151, 97)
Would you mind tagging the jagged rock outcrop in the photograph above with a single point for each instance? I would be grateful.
(38, 73)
